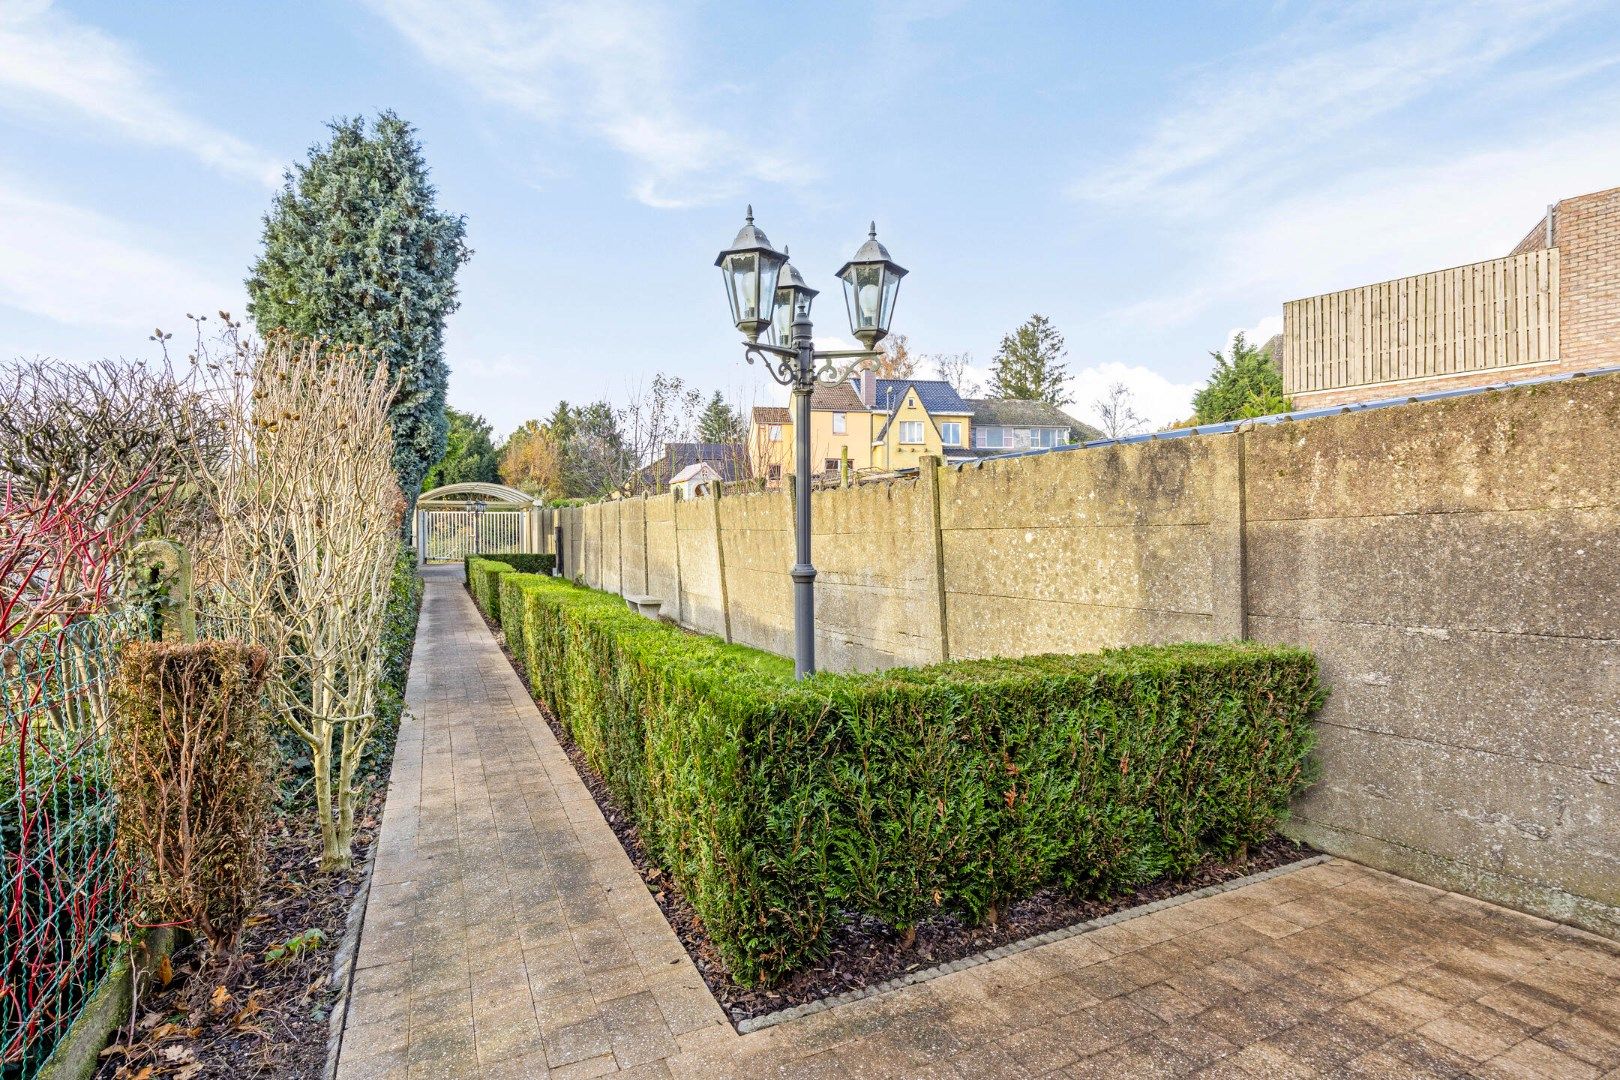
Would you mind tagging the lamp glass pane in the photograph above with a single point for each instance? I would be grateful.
(868, 296)
(744, 285)
(731, 293)
(891, 289)
(770, 268)
(782, 319)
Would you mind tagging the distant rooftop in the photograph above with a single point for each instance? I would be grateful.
(936, 395)
(990, 412)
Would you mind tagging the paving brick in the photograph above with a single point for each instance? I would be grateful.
(508, 936)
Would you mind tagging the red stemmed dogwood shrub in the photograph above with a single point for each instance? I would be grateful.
(62, 548)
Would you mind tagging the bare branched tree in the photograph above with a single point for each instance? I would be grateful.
(661, 412)
(111, 419)
(1116, 412)
(307, 509)
(895, 359)
(957, 369)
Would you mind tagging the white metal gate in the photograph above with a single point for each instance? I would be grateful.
(451, 534)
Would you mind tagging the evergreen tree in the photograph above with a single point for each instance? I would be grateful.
(469, 454)
(1029, 364)
(719, 422)
(357, 251)
(1247, 384)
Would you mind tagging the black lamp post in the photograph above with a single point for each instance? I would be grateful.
(767, 294)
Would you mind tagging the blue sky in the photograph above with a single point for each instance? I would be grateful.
(1151, 176)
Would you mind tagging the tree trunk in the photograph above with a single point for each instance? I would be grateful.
(334, 856)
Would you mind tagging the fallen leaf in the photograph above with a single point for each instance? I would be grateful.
(253, 1005)
(220, 1000)
(165, 971)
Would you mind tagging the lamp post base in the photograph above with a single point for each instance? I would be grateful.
(804, 620)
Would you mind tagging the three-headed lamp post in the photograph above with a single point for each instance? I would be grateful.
(768, 297)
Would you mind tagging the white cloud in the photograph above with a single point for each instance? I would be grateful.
(1258, 334)
(1294, 176)
(1155, 398)
(1256, 121)
(54, 64)
(606, 68)
(78, 268)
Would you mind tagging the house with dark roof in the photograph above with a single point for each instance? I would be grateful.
(840, 428)
(887, 424)
(729, 461)
(918, 417)
(1003, 426)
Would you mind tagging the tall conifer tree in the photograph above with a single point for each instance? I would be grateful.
(719, 422)
(1029, 364)
(357, 251)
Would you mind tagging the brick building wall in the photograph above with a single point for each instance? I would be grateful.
(1586, 231)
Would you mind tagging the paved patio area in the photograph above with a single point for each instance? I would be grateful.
(507, 935)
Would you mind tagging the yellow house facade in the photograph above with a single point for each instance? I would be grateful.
(912, 430)
(840, 424)
(887, 424)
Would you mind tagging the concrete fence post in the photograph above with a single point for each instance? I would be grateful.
(929, 475)
(646, 550)
(618, 530)
(720, 563)
(675, 538)
(1227, 563)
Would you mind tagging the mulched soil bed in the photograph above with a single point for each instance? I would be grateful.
(270, 1018)
(865, 952)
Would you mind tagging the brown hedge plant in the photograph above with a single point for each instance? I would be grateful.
(191, 758)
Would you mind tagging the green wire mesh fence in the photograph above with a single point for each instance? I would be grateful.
(65, 898)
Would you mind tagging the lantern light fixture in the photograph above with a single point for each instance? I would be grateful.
(768, 295)
(750, 267)
(871, 286)
(793, 299)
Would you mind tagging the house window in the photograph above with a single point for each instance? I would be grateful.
(989, 437)
(831, 465)
(775, 473)
(950, 434)
(911, 431)
(838, 423)
(1044, 436)
(775, 433)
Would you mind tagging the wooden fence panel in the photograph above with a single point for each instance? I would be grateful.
(1494, 314)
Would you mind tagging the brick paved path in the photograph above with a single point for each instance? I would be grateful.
(507, 935)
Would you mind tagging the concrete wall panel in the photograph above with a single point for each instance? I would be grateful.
(1455, 566)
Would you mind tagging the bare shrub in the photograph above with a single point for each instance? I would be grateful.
(307, 512)
(190, 755)
(120, 425)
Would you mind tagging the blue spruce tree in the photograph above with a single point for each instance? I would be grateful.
(357, 251)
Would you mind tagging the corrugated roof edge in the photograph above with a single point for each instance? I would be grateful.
(1303, 414)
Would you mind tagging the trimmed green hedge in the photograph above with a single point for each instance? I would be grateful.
(779, 805)
(501, 564)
